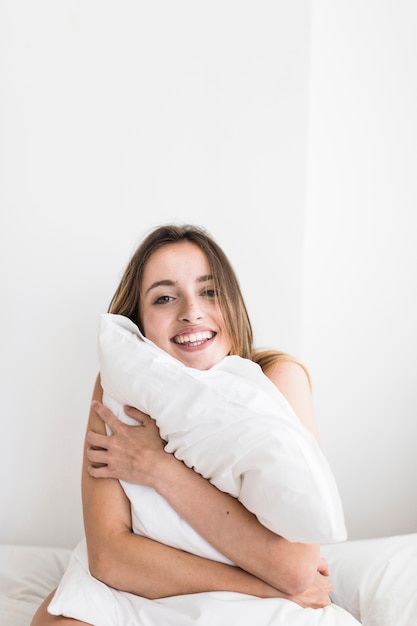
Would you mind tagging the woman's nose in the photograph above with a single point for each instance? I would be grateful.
(191, 311)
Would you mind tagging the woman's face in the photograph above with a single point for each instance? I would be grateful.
(178, 308)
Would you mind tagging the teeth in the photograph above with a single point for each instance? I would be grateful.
(193, 337)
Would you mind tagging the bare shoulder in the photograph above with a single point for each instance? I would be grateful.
(289, 372)
(293, 381)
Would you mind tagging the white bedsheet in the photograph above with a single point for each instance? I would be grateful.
(27, 575)
(82, 597)
(375, 579)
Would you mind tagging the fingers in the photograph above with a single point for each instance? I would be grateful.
(99, 471)
(97, 440)
(113, 456)
(96, 457)
(111, 420)
(105, 414)
(323, 567)
(138, 415)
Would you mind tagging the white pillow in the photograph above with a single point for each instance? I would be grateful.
(233, 426)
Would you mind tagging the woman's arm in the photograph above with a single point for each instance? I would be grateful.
(229, 526)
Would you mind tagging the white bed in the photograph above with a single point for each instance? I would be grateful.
(374, 579)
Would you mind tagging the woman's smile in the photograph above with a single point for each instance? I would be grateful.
(193, 338)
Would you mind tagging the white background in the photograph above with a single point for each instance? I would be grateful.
(288, 130)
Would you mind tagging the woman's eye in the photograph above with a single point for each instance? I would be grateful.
(163, 299)
(209, 293)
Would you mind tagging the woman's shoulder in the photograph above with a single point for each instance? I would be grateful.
(293, 380)
(279, 362)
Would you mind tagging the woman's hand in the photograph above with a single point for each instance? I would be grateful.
(316, 596)
(131, 453)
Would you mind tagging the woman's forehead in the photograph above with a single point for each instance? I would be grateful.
(176, 259)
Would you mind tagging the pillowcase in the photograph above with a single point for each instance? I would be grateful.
(232, 425)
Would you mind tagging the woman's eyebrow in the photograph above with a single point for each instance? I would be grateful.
(159, 283)
(170, 283)
(205, 278)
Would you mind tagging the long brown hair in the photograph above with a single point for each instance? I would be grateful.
(126, 299)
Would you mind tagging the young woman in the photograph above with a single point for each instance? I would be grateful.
(182, 292)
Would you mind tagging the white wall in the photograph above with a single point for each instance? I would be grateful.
(116, 116)
(360, 307)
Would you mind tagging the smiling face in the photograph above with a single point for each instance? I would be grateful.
(179, 311)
